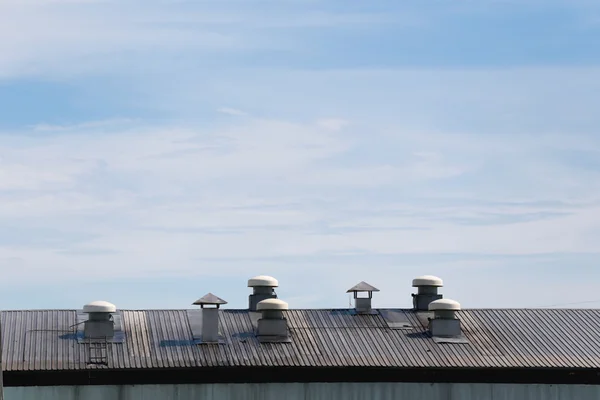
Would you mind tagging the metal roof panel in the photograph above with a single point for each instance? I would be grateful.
(547, 338)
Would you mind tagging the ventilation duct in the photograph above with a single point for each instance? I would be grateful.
(362, 305)
(427, 291)
(263, 288)
(100, 323)
(210, 304)
(272, 326)
(444, 324)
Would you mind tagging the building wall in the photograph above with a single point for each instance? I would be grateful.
(312, 391)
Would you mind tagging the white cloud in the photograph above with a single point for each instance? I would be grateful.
(67, 38)
(82, 126)
(151, 197)
(334, 124)
(362, 194)
(232, 111)
(355, 170)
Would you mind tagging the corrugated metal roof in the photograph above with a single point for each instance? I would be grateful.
(45, 340)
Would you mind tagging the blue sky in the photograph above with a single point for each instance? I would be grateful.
(154, 151)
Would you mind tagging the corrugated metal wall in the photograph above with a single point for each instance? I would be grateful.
(312, 391)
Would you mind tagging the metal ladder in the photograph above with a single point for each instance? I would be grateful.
(98, 351)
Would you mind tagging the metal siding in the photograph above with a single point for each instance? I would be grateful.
(44, 340)
(313, 391)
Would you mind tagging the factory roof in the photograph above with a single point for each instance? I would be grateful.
(43, 340)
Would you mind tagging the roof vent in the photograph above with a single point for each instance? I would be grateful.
(272, 326)
(100, 323)
(210, 304)
(427, 291)
(363, 304)
(263, 289)
(444, 322)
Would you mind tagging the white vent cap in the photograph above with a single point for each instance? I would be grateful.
(263, 281)
(444, 305)
(427, 280)
(272, 304)
(99, 307)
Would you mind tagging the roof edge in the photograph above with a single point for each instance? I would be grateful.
(255, 374)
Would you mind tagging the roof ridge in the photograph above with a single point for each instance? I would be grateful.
(318, 309)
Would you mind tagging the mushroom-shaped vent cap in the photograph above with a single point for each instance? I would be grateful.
(100, 307)
(427, 280)
(263, 281)
(444, 305)
(272, 304)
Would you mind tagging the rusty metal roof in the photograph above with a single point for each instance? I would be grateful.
(45, 340)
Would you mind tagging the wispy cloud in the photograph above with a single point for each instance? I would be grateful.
(43, 127)
(232, 111)
(149, 208)
(176, 142)
(334, 124)
(63, 38)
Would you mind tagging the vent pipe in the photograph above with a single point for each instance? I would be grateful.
(444, 322)
(272, 326)
(210, 304)
(362, 305)
(100, 323)
(263, 288)
(427, 291)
